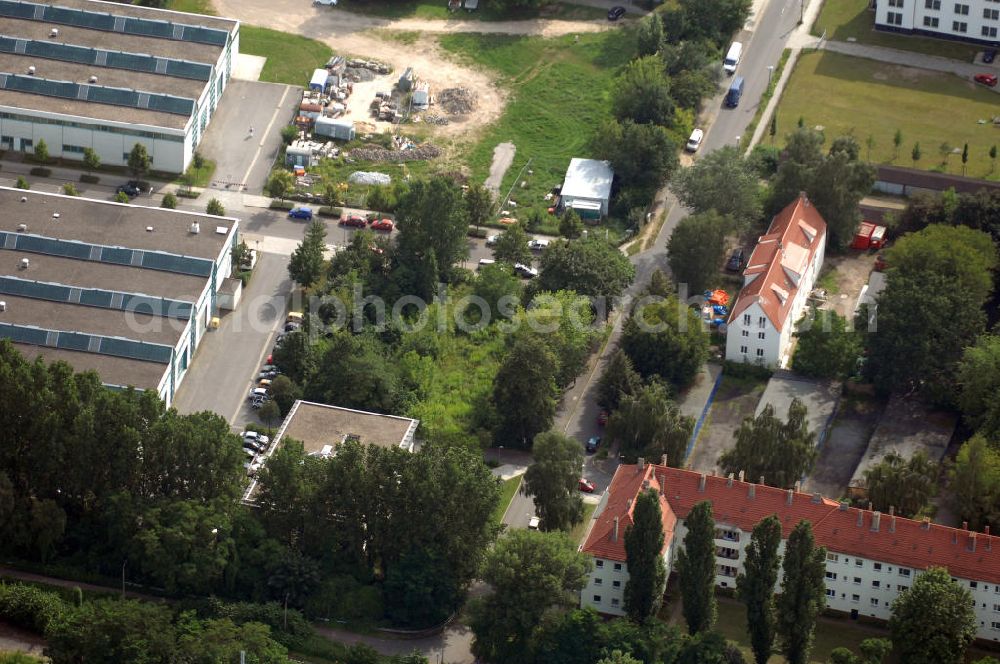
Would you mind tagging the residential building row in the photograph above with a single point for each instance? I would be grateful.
(872, 557)
(975, 21)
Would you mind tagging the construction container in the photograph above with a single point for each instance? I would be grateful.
(342, 130)
(318, 80)
(406, 80)
(421, 96)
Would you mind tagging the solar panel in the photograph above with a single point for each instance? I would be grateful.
(135, 350)
(155, 260)
(95, 297)
(23, 334)
(73, 341)
(97, 93)
(113, 23)
(79, 341)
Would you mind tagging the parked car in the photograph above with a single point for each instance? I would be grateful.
(586, 485)
(986, 79)
(616, 13)
(130, 188)
(491, 240)
(737, 259)
(258, 393)
(533, 523)
(483, 262)
(593, 443)
(989, 55)
(267, 374)
(538, 245)
(694, 142)
(291, 327)
(301, 213)
(354, 221)
(525, 271)
(602, 418)
(382, 225)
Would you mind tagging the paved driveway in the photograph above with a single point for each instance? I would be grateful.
(844, 446)
(242, 161)
(228, 358)
(819, 398)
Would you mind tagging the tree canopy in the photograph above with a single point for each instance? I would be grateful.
(723, 181)
(512, 246)
(644, 554)
(432, 218)
(903, 484)
(307, 264)
(933, 622)
(650, 424)
(696, 250)
(780, 452)
(975, 484)
(524, 391)
(827, 347)
(642, 93)
(666, 339)
(552, 480)
(696, 569)
(803, 593)
(643, 155)
(755, 586)
(590, 267)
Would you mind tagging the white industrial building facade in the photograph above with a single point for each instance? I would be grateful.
(89, 74)
(871, 557)
(126, 291)
(974, 21)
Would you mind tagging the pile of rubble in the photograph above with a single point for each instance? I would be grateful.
(371, 65)
(380, 154)
(457, 101)
(431, 118)
(358, 74)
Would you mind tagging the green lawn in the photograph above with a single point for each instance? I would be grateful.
(438, 9)
(843, 19)
(192, 6)
(580, 529)
(559, 93)
(869, 98)
(291, 59)
(507, 491)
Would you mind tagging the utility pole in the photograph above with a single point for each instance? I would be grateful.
(802, 11)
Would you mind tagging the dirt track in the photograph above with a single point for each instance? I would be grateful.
(352, 34)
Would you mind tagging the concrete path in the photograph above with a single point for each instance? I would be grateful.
(503, 157)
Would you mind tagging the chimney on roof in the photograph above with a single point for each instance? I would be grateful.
(817, 497)
(892, 510)
(972, 541)
(641, 464)
(844, 505)
(645, 484)
(753, 491)
(892, 524)
(729, 480)
(876, 517)
(965, 525)
(989, 542)
(614, 534)
(925, 523)
(790, 496)
(761, 480)
(954, 536)
(861, 518)
(741, 475)
(701, 483)
(798, 487)
(628, 504)
(663, 460)
(805, 199)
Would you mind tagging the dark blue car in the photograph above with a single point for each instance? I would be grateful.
(301, 213)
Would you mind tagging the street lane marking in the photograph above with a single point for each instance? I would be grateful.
(266, 133)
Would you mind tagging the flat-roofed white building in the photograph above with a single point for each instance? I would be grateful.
(975, 21)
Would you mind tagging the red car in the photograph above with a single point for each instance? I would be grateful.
(586, 485)
(986, 79)
(354, 221)
(602, 418)
(382, 225)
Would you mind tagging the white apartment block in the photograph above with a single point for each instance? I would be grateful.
(777, 281)
(974, 21)
(871, 557)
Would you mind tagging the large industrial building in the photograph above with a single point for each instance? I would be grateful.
(123, 290)
(88, 74)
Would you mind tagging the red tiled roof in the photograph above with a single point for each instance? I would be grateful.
(793, 237)
(900, 541)
(625, 487)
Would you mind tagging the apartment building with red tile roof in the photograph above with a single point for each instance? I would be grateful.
(871, 556)
(777, 281)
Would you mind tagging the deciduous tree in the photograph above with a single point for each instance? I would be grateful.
(619, 380)
(666, 339)
(905, 484)
(780, 452)
(933, 622)
(723, 181)
(571, 226)
(590, 267)
(280, 184)
(91, 160)
(643, 156)
(478, 204)
(650, 424)
(975, 484)
(306, 264)
(644, 554)
(696, 250)
(138, 160)
(755, 586)
(649, 35)
(504, 621)
(432, 220)
(552, 480)
(524, 391)
(512, 246)
(696, 569)
(826, 347)
(803, 593)
(41, 151)
(642, 93)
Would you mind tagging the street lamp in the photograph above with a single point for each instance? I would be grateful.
(802, 11)
(770, 72)
(499, 455)
(737, 141)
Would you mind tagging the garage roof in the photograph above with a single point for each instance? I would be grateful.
(588, 178)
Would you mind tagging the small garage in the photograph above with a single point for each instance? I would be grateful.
(587, 188)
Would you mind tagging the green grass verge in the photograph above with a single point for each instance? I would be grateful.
(869, 98)
(580, 529)
(765, 98)
(438, 9)
(198, 177)
(507, 491)
(846, 19)
(192, 6)
(291, 59)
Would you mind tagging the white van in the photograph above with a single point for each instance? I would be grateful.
(733, 58)
(325, 3)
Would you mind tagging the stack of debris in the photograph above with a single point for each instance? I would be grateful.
(367, 177)
(371, 65)
(431, 118)
(457, 101)
(380, 154)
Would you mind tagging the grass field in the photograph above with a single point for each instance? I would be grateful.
(843, 19)
(438, 9)
(559, 94)
(580, 529)
(193, 6)
(507, 491)
(291, 59)
(868, 98)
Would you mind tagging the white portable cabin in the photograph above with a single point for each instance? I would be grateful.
(340, 129)
(318, 80)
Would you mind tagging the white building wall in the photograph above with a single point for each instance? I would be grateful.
(741, 335)
(605, 589)
(965, 20)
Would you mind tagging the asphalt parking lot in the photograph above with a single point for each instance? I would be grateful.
(819, 398)
(735, 400)
(844, 446)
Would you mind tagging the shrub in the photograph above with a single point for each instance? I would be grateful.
(122, 197)
(746, 370)
(198, 160)
(289, 133)
(70, 189)
(188, 193)
(87, 178)
(216, 208)
(764, 160)
(281, 205)
(40, 172)
(478, 232)
(289, 634)
(169, 201)
(327, 211)
(22, 183)
(29, 607)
